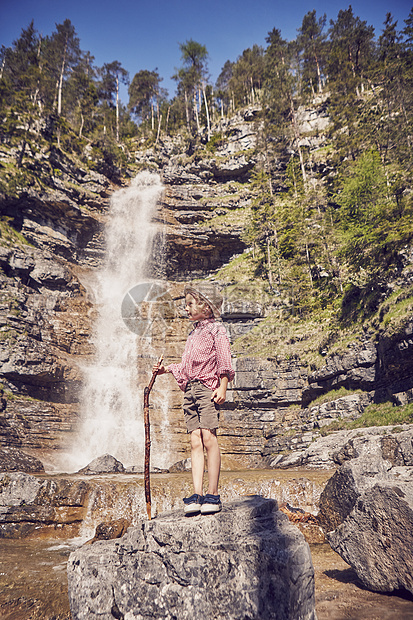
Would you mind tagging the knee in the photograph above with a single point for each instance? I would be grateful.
(209, 438)
(196, 440)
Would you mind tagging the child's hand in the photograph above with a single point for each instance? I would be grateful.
(219, 395)
(159, 369)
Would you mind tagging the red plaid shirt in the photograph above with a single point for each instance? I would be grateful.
(206, 357)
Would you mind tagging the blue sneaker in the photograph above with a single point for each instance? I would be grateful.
(192, 505)
(211, 504)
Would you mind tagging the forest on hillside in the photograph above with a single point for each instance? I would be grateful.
(335, 226)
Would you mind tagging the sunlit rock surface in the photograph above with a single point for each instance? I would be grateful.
(49, 310)
(67, 506)
(247, 561)
(366, 509)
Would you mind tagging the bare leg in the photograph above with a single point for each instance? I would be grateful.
(210, 441)
(197, 459)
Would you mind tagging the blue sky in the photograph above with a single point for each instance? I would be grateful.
(145, 34)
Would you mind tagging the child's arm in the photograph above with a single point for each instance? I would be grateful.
(219, 395)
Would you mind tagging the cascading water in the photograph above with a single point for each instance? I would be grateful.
(112, 399)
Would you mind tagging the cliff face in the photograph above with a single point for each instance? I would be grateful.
(47, 312)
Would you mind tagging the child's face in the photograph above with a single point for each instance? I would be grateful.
(195, 311)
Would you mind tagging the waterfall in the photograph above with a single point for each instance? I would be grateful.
(111, 401)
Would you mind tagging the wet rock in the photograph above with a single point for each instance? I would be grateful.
(180, 466)
(246, 561)
(77, 503)
(12, 459)
(109, 531)
(106, 464)
(18, 488)
(30, 506)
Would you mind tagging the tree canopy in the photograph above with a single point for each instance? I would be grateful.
(324, 223)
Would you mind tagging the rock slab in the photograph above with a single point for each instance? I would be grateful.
(248, 561)
(376, 539)
(366, 509)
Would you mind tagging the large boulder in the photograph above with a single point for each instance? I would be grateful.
(106, 464)
(247, 561)
(376, 539)
(366, 510)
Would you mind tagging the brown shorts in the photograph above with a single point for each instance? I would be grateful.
(199, 410)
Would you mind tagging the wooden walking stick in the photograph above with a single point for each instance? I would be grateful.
(146, 393)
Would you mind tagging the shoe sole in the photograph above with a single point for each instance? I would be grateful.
(192, 510)
(210, 509)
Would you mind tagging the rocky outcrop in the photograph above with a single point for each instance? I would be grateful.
(336, 447)
(30, 506)
(366, 509)
(106, 464)
(12, 459)
(47, 309)
(45, 506)
(247, 561)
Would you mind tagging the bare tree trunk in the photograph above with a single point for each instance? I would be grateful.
(159, 130)
(269, 263)
(213, 109)
(278, 255)
(207, 115)
(60, 83)
(167, 119)
(312, 88)
(81, 124)
(39, 49)
(117, 108)
(307, 255)
(186, 110)
(320, 84)
(297, 140)
(196, 112)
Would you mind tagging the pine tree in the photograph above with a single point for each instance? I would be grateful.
(247, 76)
(112, 75)
(192, 79)
(311, 41)
(349, 67)
(146, 95)
(222, 87)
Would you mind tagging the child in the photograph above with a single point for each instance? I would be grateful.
(203, 376)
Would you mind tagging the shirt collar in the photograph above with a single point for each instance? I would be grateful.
(202, 322)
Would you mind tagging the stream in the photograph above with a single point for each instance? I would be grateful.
(33, 582)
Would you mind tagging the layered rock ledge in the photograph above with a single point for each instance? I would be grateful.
(248, 561)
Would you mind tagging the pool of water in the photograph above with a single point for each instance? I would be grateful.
(33, 581)
(33, 585)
